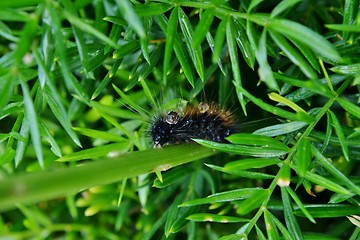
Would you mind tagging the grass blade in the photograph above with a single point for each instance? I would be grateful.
(130, 16)
(290, 219)
(350, 107)
(334, 171)
(219, 40)
(194, 51)
(180, 51)
(44, 185)
(326, 183)
(300, 204)
(171, 32)
(265, 72)
(244, 150)
(303, 156)
(254, 201)
(340, 134)
(31, 116)
(203, 26)
(293, 55)
(313, 40)
(207, 217)
(235, 66)
(283, 6)
(227, 196)
(245, 164)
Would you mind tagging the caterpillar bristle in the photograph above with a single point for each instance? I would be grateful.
(204, 121)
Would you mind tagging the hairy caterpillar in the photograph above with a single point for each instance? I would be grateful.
(204, 121)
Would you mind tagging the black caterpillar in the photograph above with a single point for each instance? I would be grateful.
(202, 122)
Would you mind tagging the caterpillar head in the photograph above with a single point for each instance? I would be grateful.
(162, 130)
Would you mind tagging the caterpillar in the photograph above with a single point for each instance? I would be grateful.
(204, 121)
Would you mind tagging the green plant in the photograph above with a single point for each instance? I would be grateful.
(80, 80)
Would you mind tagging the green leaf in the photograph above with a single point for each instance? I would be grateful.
(329, 210)
(244, 150)
(244, 174)
(254, 201)
(228, 196)
(256, 140)
(171, 32)
(313, 85)
(118, 112)
(106, 80)
(20, 3)
(95, 152)
(354, 220)
(79, 35)
(207, 217)
(260, 234)
(26, 39)
(126, 49)
(172, 215)
(349, 106)
(210, 42)
(44, 185)
(293, 55)
(22, 144)
(291, 221)
(326, 183)
(344, 27)
(144, 43)
(334, 171)
(88, 29)
(351, 9)
(180, 51)
(283, 176)
(350, 69)
(6, 89)
(50, 139)
(130, 102)
(286, 102)
(130, 16)
(144, 70)
(340, 134)
(283, 6)
(171, 177)
(203, 26)
(299, 116)
(194, 51)
(265, 72)
(60, 113)
(281, 129)
(271, 229)
(303, 156)
(96, 134)
(300, 204)
(328, 132)
(284, 230)
(253, 4)
(70, 81)
(31, 116)
(151, 9)
(313, 40)
(245, 164)
(235, 66)
(119, 21)
(219, 40)
(244, 45)
(181, 219)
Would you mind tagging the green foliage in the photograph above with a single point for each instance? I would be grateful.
(80, 81)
